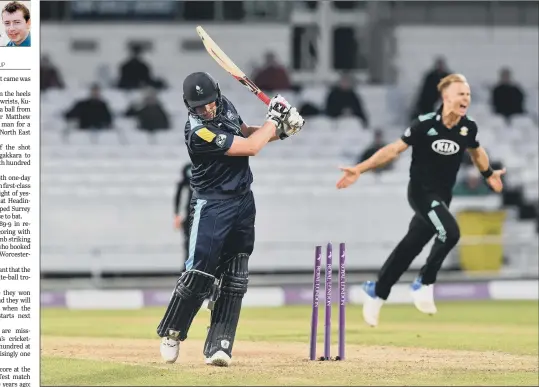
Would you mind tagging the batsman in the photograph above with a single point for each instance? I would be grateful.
(222, 214)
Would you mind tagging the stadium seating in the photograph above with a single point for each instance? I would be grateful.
(490, 48)
(118, 188)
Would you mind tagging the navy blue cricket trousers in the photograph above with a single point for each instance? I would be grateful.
(219, 230)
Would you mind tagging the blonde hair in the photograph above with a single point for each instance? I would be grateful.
(448, 80)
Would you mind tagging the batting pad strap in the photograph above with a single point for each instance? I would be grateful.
(236, 276)
(191, 290)
(194, 284)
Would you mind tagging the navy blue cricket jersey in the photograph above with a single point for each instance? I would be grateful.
(213, 172)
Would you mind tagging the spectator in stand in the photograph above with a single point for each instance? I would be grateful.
(91, 113)
(135, 73)
(471, 184)
(50, 77)
(507, 98)
(272, 76)
(428, 94)
(373, 148)
(343, 100)
(150, 114)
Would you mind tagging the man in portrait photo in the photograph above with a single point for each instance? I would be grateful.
(16, 21)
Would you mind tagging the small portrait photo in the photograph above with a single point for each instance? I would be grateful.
(16, 22)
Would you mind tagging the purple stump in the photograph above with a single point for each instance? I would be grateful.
(342, 299)
(316, 297)
(329, 269)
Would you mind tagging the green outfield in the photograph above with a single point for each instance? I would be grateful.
(472, 343)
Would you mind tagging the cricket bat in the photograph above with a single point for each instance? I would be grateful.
(226, 63)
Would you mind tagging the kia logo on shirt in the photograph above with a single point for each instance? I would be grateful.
(445, 147)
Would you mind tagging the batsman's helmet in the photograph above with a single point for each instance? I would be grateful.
(200, 89)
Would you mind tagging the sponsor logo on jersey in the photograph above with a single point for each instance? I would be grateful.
(230, 115)
(445, 147)
(408, 132)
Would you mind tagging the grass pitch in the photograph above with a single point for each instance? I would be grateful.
(471, 343)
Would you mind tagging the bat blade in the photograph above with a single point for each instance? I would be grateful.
(228, 65)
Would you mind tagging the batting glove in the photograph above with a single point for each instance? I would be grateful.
(294, 121)
(278, 109)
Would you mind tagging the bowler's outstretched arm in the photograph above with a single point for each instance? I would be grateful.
(480, 159)
(383, 156)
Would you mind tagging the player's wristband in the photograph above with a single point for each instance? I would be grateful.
(488, 173)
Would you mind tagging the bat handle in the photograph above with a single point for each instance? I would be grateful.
(264, 98)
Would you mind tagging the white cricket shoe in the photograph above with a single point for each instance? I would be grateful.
(423, 296)
(220, 359)
(170, 349)
(371, 304)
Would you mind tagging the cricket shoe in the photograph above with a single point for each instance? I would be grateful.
(170, 348)
(219, 359)
(371, 304)
(423, 296)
